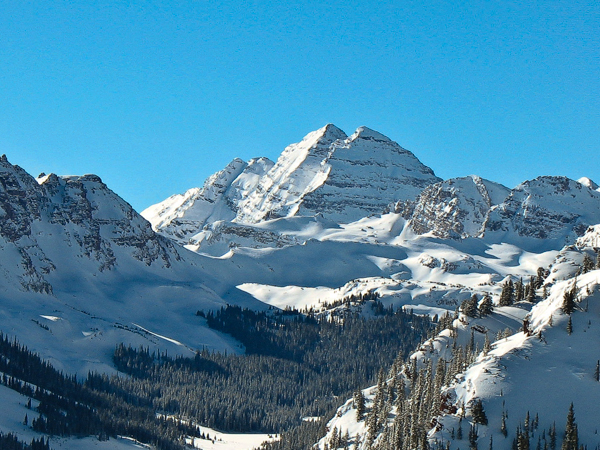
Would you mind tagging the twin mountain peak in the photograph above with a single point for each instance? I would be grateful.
(336, 178)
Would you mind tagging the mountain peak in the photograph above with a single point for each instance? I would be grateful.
(588, 183)
(322, 137)
(332, 132)
(367, 133)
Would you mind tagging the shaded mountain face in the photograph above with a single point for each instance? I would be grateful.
(547, 208)
(82, 272)
(75, 215)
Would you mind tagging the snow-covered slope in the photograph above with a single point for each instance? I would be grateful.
(538, 361)
(183, 215)
(82, 272)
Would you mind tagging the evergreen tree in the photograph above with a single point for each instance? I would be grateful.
(541, 276)
(486, 306)
(588, 264)
(571, 440)
(487, 345)
(507, 296)
(531, 291)
(522, 439)
(473, 435)
(469, 306)
(570, 326)
(552, 435)
(519, 290)
(597, 371)
(503, 429)
(569, 297)
(359, 404)
(478, 412)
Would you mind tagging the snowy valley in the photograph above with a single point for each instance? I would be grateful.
(473, 309)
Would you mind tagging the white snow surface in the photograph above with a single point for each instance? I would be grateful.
(541, 372)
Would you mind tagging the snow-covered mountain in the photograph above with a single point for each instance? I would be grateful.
(335, 217)
(327, 174)
(552, 209)
(82, 271)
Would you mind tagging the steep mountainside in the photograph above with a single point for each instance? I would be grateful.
(457, 208)
(327, 174)
(342, 179)
(82, 271)
(183, 215)
(553, 209)
(501, 379)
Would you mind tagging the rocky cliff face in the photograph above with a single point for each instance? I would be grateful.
(47, 218)
(368, 171)
(338, 177)
(546, 208)
(454, 209)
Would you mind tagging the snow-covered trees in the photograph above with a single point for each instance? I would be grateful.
(478, 412)
(359, 404)
(469, 306)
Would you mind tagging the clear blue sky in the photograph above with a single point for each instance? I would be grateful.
(154, 96)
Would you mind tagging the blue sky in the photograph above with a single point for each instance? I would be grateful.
(154, 96)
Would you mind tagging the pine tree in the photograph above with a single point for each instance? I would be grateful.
(531, 291)
(487, 345)
(486, 306)
(569, 297)
(541, 276)
(473, 435)
(522, 439)
(552, 435)
(571, 440)
(478, 412)
(469, 306)
(570, 326)
(519, 290)
(507, 296)
(503, 429)
(588, 264)
(359, 404)
(597, 371)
